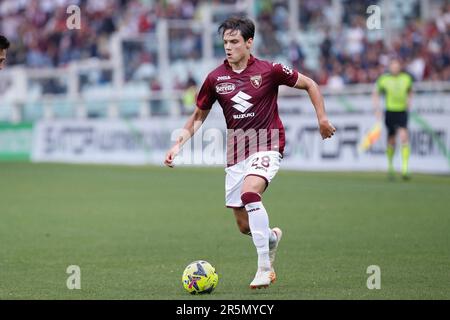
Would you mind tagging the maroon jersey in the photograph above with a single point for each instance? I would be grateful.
(249, 103)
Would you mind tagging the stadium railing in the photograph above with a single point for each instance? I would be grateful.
(87, 90)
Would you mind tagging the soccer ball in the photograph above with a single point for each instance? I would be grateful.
(200, 277)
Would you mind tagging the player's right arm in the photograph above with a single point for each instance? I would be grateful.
(205, 99)
(194, 122)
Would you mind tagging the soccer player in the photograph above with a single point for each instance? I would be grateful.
(4, 46)
(247, 89)
(397, 88)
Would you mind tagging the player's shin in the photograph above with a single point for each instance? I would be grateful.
(259, 227)
(390, 150)
(405, 158)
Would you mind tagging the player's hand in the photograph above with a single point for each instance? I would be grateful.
(170, 156)
(326, 129)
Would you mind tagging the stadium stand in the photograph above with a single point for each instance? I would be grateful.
(131, 44)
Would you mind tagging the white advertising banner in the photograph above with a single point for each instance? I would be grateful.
(102, 141)
(306, 150)
(146, 142)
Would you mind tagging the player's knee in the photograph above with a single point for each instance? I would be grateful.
(254, 184)
(250, 197)
(403, 136)
(391, 139)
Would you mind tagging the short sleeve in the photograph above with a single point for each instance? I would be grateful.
(206, 96)
(410, 82)
(380, 84)
(284, 75)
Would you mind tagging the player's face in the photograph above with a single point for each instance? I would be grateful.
(2, 57)
(236, 48)
(394, 67)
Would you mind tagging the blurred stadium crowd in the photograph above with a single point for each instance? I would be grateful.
(345, 54)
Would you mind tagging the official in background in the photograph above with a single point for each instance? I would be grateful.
(396, 86)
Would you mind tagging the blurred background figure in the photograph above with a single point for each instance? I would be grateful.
(396, 86)
(189, 96)
(4, 46)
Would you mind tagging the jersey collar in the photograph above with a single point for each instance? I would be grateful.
(251, 60)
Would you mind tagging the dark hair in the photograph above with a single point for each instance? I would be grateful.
(245, 25)
(4, 43)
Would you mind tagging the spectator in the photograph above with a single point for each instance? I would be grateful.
(156, 102)
(189, 96)
(39, 33)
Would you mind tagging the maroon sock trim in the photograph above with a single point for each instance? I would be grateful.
(250, 197)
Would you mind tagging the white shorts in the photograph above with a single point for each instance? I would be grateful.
(264, 164)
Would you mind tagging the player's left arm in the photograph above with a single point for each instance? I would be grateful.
(410, 95)
(304, 83)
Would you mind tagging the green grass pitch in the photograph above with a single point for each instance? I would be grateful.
(132, 230)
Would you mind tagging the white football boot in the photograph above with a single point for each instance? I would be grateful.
(263, 279)
(274, 245)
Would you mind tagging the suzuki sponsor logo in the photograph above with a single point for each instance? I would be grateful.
(243, 115)
(225, 88)
(242, 104)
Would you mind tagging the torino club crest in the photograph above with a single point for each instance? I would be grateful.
(256, 81)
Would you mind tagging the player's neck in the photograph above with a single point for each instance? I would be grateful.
(241, 64)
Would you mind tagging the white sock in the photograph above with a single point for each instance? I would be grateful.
(272, 236)
(259, 226)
